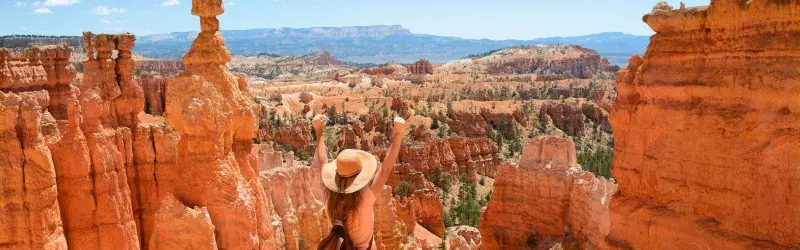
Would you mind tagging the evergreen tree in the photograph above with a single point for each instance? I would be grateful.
(467, 211)
(403, 189)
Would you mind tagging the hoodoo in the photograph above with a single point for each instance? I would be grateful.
(547, 197)
(706, 130)
(215, 117)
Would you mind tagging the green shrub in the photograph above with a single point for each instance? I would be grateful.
(403, 190)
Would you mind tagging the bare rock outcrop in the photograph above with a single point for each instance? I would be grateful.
(215, 116)
(467, 123)
(161, 67)
(706, 130)
(297, 135)
(475, 156)
(35, 68)
(421, 67)
(82, 139)
(570, 115)
(180, 227)
(154, 87)
(394, 222)
(29, 211)
(295, 195)
(464, 237)
(548, 62)
(546, 197)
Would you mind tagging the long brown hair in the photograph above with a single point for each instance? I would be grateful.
(340, 207)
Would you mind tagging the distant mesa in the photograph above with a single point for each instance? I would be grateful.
(359, 44)
(379, 44)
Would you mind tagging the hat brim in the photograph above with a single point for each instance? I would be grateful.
(368, 166)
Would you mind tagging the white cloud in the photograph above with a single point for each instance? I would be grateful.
(42, 11)
(19, 4)
(170, 3)
(51, 3)
(23, 28)
(106, 21)
(105, 10)
(230, 3)
(37, 4)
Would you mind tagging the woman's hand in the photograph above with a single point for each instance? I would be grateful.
(399, 127)
(318, 122)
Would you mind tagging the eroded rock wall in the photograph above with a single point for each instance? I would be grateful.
(706, 130)
(294, 192)
(546, 197)
(155, 89)
(83, 136)
(29, 208)
(161, 67)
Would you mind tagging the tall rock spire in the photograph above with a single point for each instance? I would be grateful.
(217, 164)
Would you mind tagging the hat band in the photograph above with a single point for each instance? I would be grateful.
(350, 175)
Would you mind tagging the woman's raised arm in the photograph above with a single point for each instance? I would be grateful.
(391, 156)
(321, 154)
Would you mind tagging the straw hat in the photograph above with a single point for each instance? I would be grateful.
(351, 171)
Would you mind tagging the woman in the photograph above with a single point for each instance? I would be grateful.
(351, 185)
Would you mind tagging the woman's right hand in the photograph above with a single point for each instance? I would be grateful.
(399, 126)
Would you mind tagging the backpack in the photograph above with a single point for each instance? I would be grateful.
(338, 239)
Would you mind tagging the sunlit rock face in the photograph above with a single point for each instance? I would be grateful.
(545, 198)
(706, 130)
(30, 212)
(74, 144)
(215, 117)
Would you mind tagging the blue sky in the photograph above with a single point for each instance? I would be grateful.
(493, 19)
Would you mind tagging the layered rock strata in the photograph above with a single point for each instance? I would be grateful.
(571, 115)
(464, 238)
(215, 117)
(295, 199)
(421, 67)
(155, 89)
(546, 197)
(29, 208)
(706, 130)
(83, 136)
(394, 222)
(35, 68)
(162, 67)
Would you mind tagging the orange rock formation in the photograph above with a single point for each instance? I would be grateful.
(154, 87)
(706, 130)
(421, 67)
(464, 237)
(163, 67)
(547, 196)
(29, 211)
(215, 117)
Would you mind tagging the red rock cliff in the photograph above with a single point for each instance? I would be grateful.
(706, 130)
